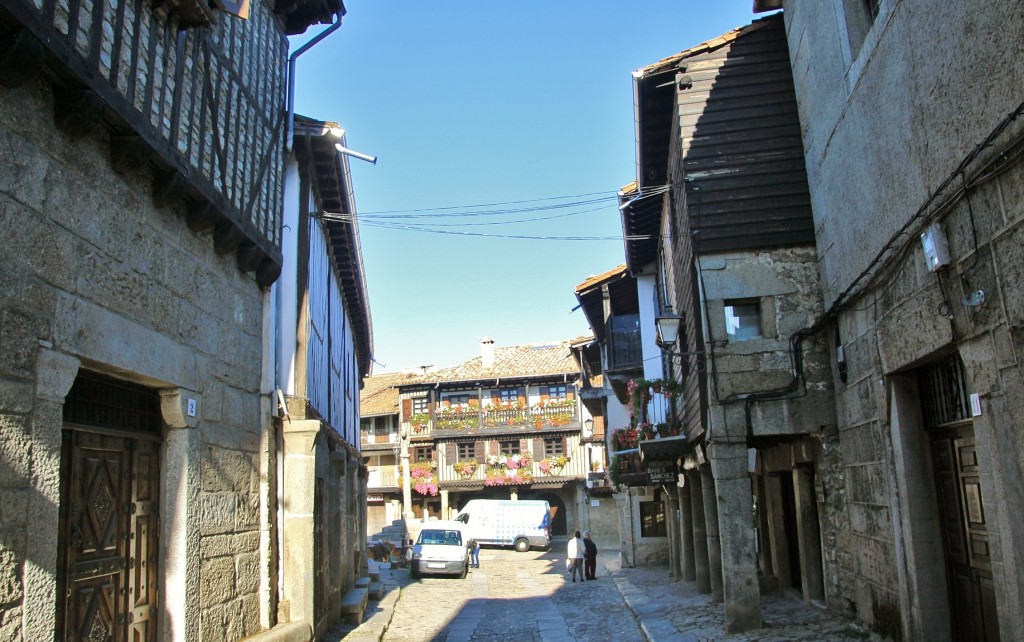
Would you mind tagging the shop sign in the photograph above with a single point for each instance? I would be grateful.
(661, 471)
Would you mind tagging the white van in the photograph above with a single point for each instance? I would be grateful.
(440, 549)
(506, 522)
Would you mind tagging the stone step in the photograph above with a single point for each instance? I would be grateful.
(374, 576)
(376, 590)
(363, 582)
(353, 605)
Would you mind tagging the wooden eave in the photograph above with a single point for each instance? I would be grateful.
(330, 169)
(622, 293)
(299, 15)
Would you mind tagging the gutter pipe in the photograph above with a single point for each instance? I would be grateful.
(290, 135)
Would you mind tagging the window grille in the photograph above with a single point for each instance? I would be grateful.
(99, 400)
(943, 392)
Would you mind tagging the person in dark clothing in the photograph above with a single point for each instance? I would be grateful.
(589, 557)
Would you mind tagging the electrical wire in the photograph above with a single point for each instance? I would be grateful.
(456, 207)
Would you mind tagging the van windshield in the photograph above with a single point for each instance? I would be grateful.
(440, 536)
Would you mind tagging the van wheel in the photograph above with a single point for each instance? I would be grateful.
(414, 572)
(522, 544)
(465, 571)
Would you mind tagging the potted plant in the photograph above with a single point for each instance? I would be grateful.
(466, 467)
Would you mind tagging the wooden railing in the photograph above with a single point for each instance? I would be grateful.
(576, 467)
(382, 477)
(552, 415)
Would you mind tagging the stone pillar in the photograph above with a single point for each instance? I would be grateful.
(686, 533)
(775, 516)
(764, 557)
(444, 505)
(711, 529)
(671, 510)
(180, 506)
(40, 425)
(300, 446)
(808, 534)
(700, 538)
(736, 525)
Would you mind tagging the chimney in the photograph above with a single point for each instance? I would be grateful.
(487, 352)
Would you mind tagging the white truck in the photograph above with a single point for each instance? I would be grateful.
(506, 522)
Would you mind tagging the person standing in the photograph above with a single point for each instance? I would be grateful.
(575, 554)
(589, 557)
(474, 553)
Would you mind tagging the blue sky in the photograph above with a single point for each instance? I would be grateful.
(468, 104)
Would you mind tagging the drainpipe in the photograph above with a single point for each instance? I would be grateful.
(289, 137)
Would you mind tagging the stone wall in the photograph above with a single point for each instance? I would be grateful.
(893, 146)
(93, 275)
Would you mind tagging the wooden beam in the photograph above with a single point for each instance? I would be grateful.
(21, 57)
(127, 153)
(249, 256)
(202, 216)
(76, 112)
(268, 272)
(168, 187)
(226, 237)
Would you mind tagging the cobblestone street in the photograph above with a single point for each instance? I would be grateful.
(528, 597)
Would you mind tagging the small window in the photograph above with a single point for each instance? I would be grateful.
(458, 401)
(509, 395)
(558, 393)
(509, 447)
(743, 319)
(652, 519)
(420, 406)
(553, 447)
(423, 453)
(466, 451)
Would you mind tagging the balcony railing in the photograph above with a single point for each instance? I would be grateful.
(383, 477)
(576, 467)
(624, 350)
(550, 415)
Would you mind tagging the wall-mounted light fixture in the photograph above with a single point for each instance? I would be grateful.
(668, 327)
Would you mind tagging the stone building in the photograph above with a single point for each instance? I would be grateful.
(380, 442)
(618, 314)
(912, 121)
(719, 223)
(141, 189)
(506, 424)
(320, 345)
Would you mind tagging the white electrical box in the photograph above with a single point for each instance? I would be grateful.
(936, 250)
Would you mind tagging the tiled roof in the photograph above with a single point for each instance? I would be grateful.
(513, 362)
(601, 278)
(379, 395)
(669, 63)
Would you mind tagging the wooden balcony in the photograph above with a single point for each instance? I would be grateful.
(575, 468)
(383, 477)
(494, 418)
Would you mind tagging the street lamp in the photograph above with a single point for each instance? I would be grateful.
(667, 327)
(588, 427)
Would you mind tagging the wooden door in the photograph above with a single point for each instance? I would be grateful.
(964, 535)
(108, 536)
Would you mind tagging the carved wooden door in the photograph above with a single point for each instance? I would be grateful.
(109, 537)
(964, 535)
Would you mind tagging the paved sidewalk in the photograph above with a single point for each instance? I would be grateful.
(673, 611)
(666, 610)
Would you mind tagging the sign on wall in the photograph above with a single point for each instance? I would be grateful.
(661, 471)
